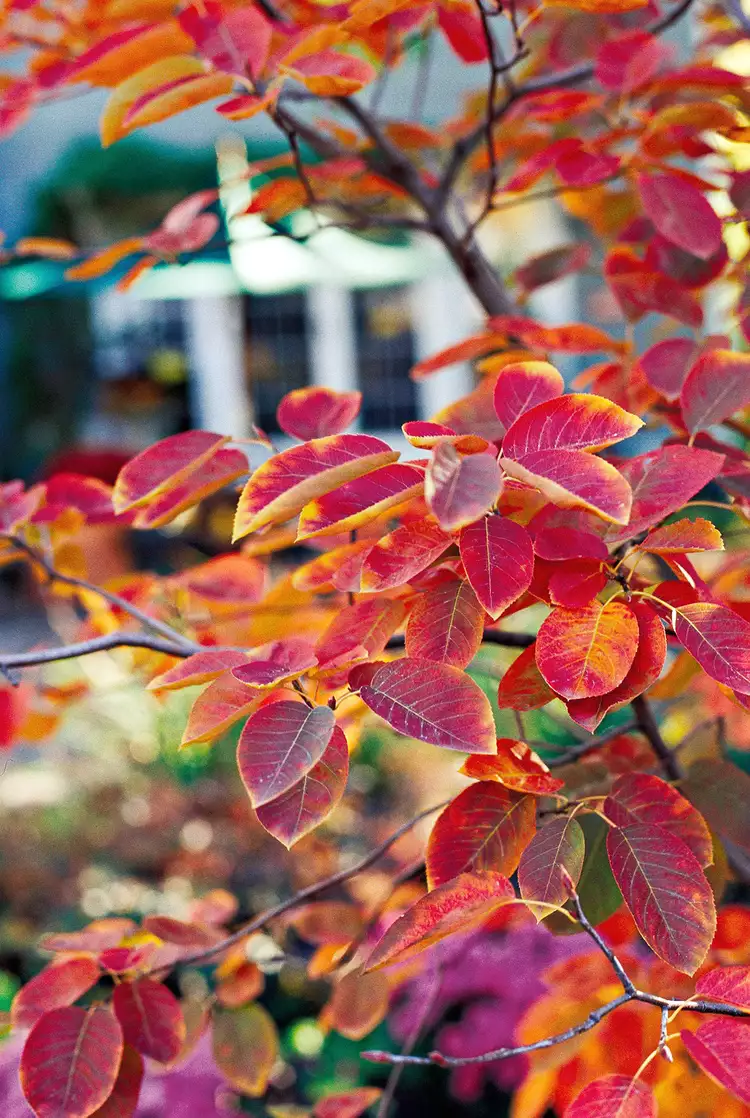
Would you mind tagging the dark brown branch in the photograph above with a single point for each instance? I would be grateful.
(491, 636)
(106, 643)
(647, 724)
(586, 747)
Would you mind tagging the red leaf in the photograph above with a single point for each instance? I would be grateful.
(558, 846)
(522, 386)
(224, 467)
(462, 903)
(199, 668)
(719, 639)
(577, 584)
(639, 289)
(223, 703)
(587, 651)
(235, 41)
(716, 387)
(499, 560)
(666, 365)
(548, 447)
(642, 798)
(283, 485)
(726, 984)
(662, 482)
(629, 60)
(486, 827)
(557, 543)
(70, 1062)
(523, 687)
(151, 1018)
(722, 1049)
(550, 266)
(281, 660)
(460, 489)
(463, 30)
(645, 670)
(123, 1102)
(432, 702)
(294, 814)
(162, 466)
(446, 625)
(351, 1104)
(58, 985)
(683, 537)
(357, 502)
(179, 932)
(330, 74)
(406, 552)
(279, 745)
(367, 625)
(312, 413)
(614, 1096)
(666, 891)
(681, 213)
(515, 766)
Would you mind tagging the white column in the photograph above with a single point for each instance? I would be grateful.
(331, 334)
(442, 313)
(216, 342)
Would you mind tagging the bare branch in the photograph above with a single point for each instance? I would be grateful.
(648, 726)
(306, 894)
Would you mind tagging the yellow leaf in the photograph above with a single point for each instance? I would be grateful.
(157, 92)
(102, 262)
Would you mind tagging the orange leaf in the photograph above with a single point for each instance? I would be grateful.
(358, 1005)
(587, 651)
(245, 1047)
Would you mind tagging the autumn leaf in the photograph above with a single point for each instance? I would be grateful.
(245, 1047)
(446, 625)
(279, 745)
(587, 651)
(498, 559)
(151, 1018)
(666, 891)
(464, 902)
(486, 827)
(552, 860)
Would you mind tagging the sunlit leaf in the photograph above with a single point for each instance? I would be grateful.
(223, 703)
(726, 984)
(284, 484)
(280, 661)
(313, 413)
(666, 891)
(683, 537)
(522, 386)
(163, 466)
(464, 902)
(202, 667)
(486, 827)
(516, 766)
(719, 639)
(498, 559)
(646, 668)
(279, 745)
(404, 553)
(614, 1096)
(70, 1061)
(359, 501)
(433, 702)
(587, 651)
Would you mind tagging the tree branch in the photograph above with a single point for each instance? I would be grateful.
(647, 724)
(631, 993)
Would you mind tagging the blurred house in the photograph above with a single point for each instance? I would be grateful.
(216, 342)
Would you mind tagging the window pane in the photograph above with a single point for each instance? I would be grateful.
(385, 349)
(276, 352)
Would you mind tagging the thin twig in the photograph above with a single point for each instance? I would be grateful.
(306, 894)
(413, 1036)
(586, 747)
(648, 726)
